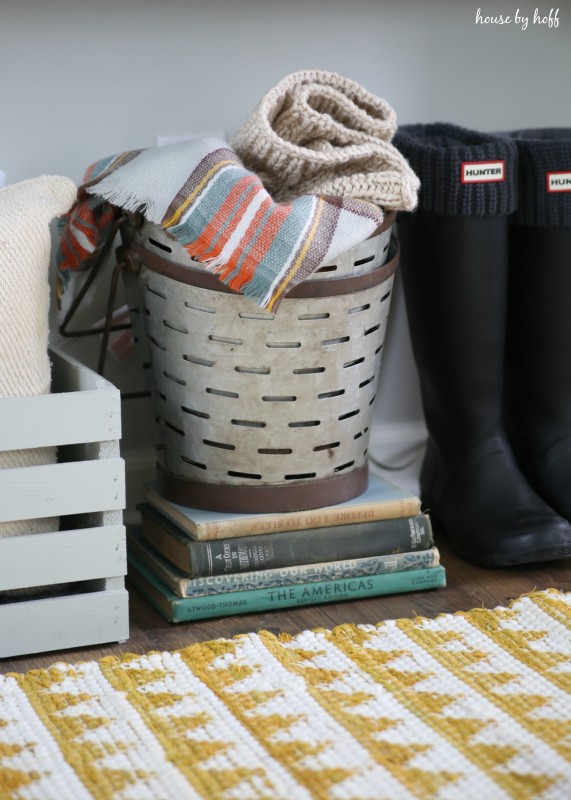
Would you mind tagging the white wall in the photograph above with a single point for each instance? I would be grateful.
(81, 80)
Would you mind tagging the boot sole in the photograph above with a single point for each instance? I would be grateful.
(524, 555)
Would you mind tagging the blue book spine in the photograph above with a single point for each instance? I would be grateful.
(182, 609)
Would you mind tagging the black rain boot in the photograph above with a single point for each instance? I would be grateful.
(454, 269)
(538, 374)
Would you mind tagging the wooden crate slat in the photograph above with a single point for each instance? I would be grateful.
(58, 623)
(70, 375)
(56, 489)
(61, 557)
(56, 419)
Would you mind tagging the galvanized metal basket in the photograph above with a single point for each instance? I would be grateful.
(258, 411)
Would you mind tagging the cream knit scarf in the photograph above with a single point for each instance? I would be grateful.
(317, 132)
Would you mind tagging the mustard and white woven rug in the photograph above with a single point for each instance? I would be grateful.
(471, 705)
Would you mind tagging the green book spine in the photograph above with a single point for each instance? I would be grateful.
(274, 550)
(184, 609)
(183, 586)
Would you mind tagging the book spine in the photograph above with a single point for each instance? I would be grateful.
(304, 520)
(186, 609)
(303, 573)
(317, 545)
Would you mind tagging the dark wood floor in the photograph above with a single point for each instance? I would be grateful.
(468, 587)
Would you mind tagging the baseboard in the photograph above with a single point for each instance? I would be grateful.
(396, 450)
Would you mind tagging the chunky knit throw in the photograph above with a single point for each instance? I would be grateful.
(25, 212)
(319, 132)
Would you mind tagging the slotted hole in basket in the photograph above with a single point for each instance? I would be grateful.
(308, 370)
(275, 451)
(386, 247)
(354, 362)
(367, 382)
(372, 400)
(252, 475)
(379, 348)
(337, 340)
(385, 296)
(146, 311)
(253, 370)
(343, 466)
(152, 340)
(373, 329)
(334, 393)
(283, 344)
(362, 261)
(160, 245)
(328, 268)
(279, 398)
(193, 463)
(361, 433)
(224, 339)
(304, 423)
(323, 315)
(358, 309)
(174, 428)
(330, 446)
(202, 362)
(221, 392)
(300, 476)
(162, 396)
(248, 423)
(146, 365)
(253, 315)
(175, 327)
(202, 309)
(194, 412)
(219, 445)
(158, 292)
(349, 414)
(174, 378)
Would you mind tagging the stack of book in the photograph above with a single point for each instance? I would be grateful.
(192, 564)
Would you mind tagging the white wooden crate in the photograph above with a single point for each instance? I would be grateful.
(86, 488)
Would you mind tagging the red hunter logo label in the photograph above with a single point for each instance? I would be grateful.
(558, 181)
(482, 171)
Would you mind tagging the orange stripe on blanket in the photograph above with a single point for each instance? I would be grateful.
(202, 247)
(245, 242)
(290, 274)
(255, 256)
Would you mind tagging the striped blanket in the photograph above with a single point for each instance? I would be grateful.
(201, 194)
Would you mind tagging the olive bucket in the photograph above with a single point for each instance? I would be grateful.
(257, 411)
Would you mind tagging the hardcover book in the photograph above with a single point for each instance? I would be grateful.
(180, 609)
(381, 500)
(286, 548)
(183, 586)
